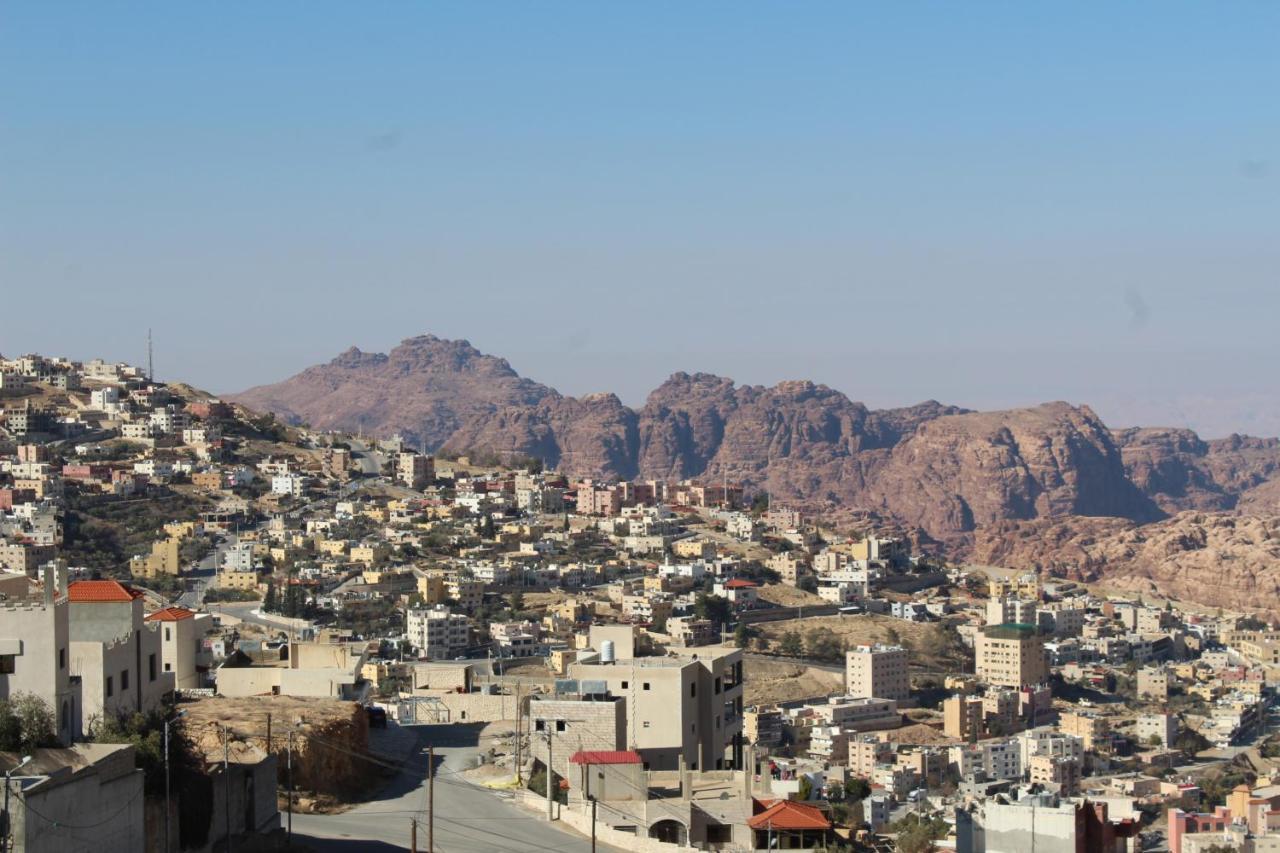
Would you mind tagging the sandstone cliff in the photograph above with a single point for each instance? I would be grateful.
(1215, 559)
(949, 474)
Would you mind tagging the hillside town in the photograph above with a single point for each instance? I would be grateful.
(221, 631)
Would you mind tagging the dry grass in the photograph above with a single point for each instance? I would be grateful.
(934, 646)
(777, 681)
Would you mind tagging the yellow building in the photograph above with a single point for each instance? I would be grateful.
(370, 554)
(432, 587)
(238, 580)
(165, 559)
(332, 547)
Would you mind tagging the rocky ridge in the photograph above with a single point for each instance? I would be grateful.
(1048, 485)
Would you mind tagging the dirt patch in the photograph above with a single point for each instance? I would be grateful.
(768, 682)
(330, 744)
(934, 646)
(784, 595)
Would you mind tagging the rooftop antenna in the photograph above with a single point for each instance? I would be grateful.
(151, 367)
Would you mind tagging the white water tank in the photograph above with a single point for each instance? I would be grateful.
(607, 654)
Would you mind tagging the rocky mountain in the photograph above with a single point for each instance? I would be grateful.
(424, 389)
(1221, 559)
(954, 475)
(1181, 471)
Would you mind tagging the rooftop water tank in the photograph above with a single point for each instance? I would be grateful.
(607, 654)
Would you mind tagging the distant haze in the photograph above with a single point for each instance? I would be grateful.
(991, 205)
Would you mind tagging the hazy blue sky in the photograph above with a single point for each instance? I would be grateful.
(989, 204)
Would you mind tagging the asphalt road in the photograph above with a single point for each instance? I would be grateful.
(468, 817)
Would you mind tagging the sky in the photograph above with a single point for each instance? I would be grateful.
(989, 204)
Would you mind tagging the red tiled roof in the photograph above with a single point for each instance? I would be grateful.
(101, 591)
(171, 614)
(606, 756)
(785, 814)
(740, 583)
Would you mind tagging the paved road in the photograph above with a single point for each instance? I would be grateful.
(468, 817)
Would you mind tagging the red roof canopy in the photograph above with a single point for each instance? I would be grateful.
(101, 591)
(607, 756)
(785, 814)
(171, 614)
(740, 583)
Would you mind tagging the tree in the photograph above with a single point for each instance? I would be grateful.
(791, 645)
(271, 603)
(762, 642)
(856, 788)
(916, 835)
(741, 635)
(823, 644)
(515, 601)
(712, 607)
(26, 722)
(806, 789)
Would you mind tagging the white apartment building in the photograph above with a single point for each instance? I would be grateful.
(437, 632)
(1047, 742)
(288, 484)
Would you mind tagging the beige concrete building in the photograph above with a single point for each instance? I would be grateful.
(684, 705)
(570, 724)
(1153, 684)
(437, 632)
(1090, 728)
(415, 470)
(114, 651)
(181, 632)
(879, 671)
(330, 670)
(1010, 655)
(35, 648)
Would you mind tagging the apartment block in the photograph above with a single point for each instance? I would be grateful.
(684, 705)
(437, 632)
(878, 671)
(1010, 655)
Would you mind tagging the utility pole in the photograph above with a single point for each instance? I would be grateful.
(593, 823)
(431, 799)
(550, 772)
(519, 739)
(413, 834)
(151, 365)
(226, 776)
(289, 773)
(167, 836)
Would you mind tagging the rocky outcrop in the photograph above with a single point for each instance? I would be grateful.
(1215, 559)
(1180, 471)
(952, 475)
(425, 389)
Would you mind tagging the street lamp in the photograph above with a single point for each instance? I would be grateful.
(8, 774)
(167, 723)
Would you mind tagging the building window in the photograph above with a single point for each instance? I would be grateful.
(693, 689)
(167, 635)
(559, 725)
(624, 685)
(8, 663)
(110, 686)
(167, 667)
(646, 724)
(62, 658)
(151, 665)
(124, 679)
(646, 685)
(540, 725)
